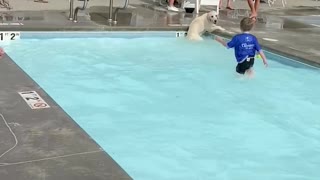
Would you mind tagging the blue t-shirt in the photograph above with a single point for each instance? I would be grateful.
(245, 45)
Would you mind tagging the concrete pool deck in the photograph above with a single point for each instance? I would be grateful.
(50, 144)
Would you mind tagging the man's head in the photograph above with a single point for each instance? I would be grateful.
(246, 24)
(212, 17)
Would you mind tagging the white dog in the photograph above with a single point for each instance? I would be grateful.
(206, 22)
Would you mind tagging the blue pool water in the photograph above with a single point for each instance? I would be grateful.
(166, 108)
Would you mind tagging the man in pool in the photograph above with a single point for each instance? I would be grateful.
(245, 47)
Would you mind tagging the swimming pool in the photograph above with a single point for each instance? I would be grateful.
(167, 108)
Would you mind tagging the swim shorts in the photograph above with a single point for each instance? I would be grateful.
(245, 65)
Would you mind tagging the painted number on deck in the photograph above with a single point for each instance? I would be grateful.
(33, 99)
(9, 36)
(181, 34)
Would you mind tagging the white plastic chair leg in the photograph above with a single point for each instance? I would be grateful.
(197, 6)
(218, 9)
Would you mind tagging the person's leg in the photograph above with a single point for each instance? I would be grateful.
(171, 6)
(229, 6)
(171, 2)
(220, 4)
(256, 6)
(249, 68)
(1, 52)
(252, 8)
(250, 73)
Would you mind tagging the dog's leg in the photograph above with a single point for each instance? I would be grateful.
(214, 28)
(194, 37)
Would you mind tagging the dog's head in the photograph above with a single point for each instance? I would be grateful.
(212, 17)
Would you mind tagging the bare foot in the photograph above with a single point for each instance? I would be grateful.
(229, 8)
(254, 19)
(253, 15)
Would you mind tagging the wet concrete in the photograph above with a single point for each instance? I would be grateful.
(50, 145)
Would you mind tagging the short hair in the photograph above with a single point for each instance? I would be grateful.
(246, 24)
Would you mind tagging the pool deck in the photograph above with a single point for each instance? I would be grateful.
(50, 144)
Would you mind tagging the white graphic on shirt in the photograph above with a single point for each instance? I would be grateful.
(248, 43)
(247, 46)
